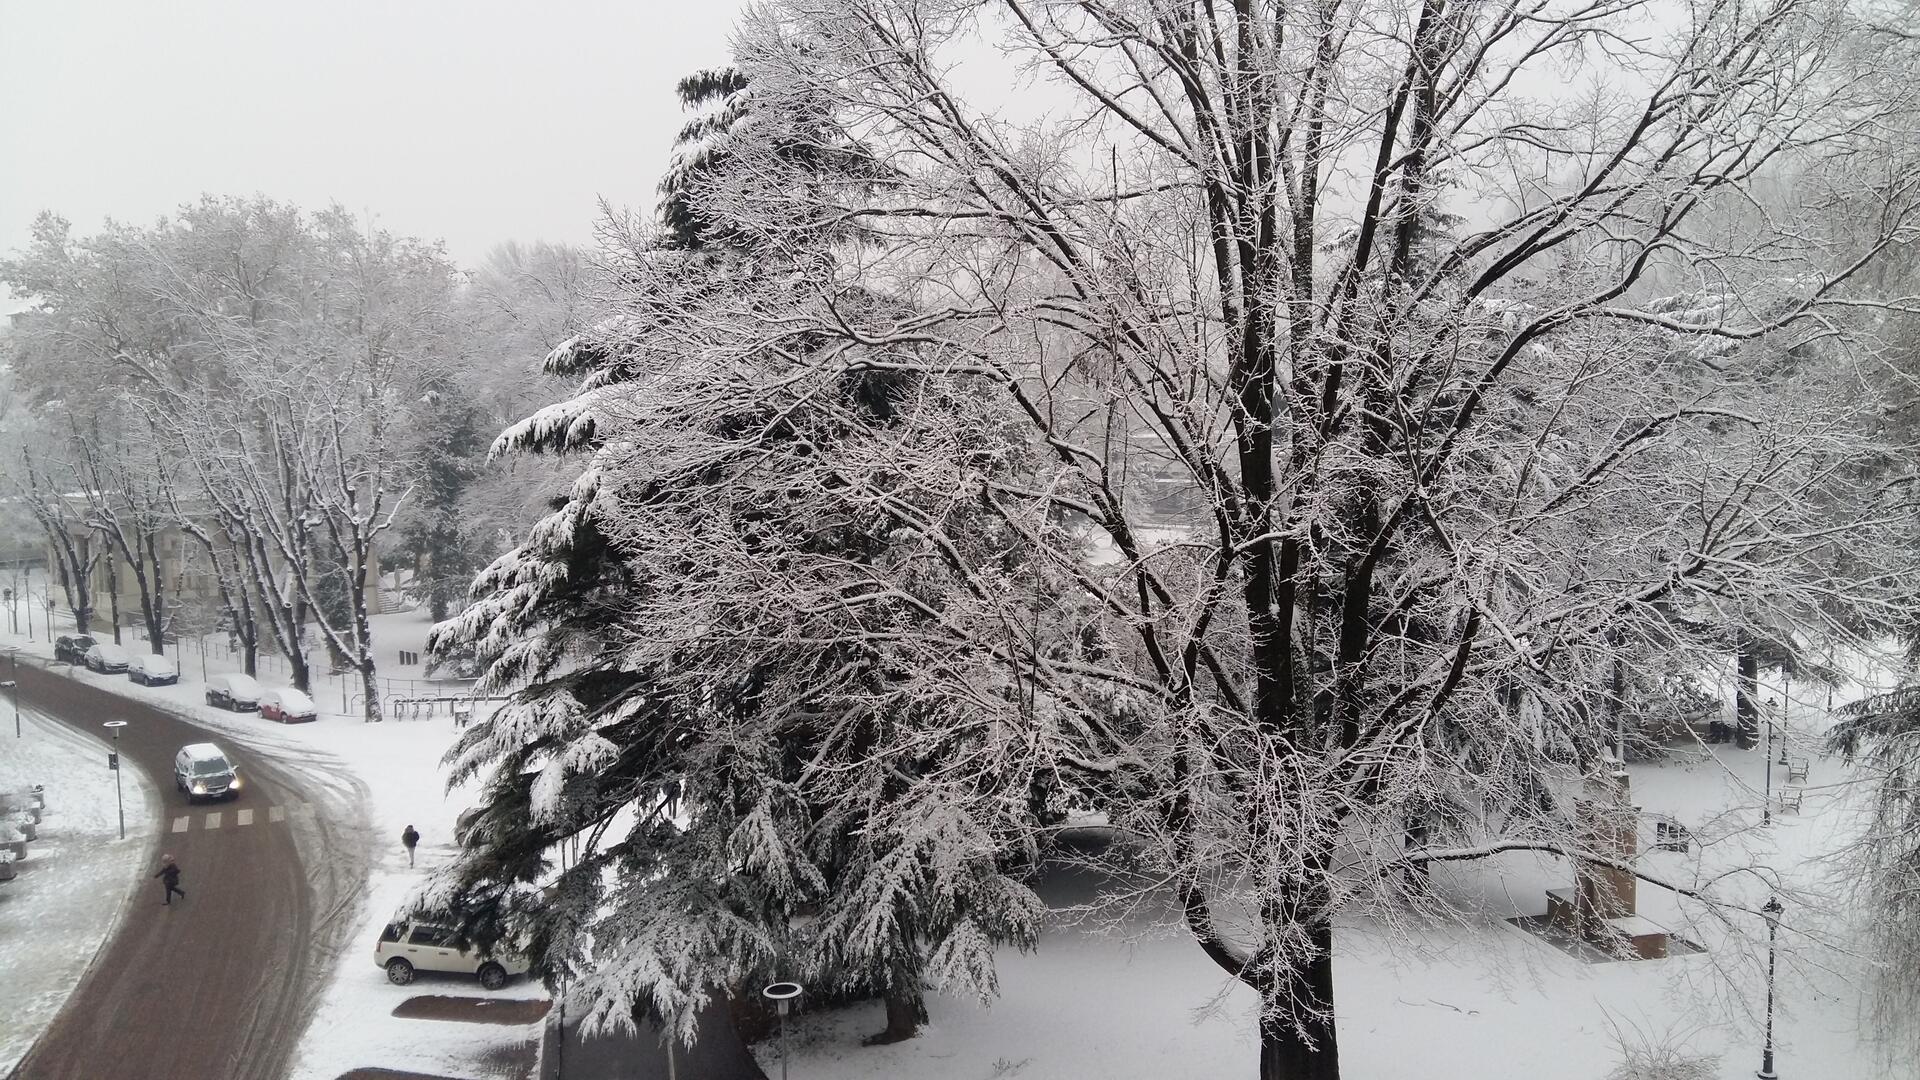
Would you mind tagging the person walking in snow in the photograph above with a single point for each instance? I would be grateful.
(171, 873)
(409, 838)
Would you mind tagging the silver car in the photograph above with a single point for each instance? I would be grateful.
(152, 669)
(106, 658)
(203, 771)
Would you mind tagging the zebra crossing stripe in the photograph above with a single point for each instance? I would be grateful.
(213, 820)
(276, 813)
(244, 817)
(180, 824)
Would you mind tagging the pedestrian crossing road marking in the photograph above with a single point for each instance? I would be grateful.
(241, 817)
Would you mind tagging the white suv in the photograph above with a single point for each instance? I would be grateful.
(407, 947)
(203, 771)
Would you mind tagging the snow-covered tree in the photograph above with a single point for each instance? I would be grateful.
(279, 357)
(122, 479)
(312, 460)
(798, 853)
(1431, 499)
(72, 543)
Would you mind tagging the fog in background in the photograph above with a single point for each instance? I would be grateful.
(474, 122)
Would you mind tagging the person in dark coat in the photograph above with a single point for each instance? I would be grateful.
(171, 874)
(409, 838)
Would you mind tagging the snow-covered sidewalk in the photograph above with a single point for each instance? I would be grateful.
(78, 876)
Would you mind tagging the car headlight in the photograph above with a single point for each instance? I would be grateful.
(199, 787)
(236, 782)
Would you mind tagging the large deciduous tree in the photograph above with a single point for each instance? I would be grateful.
(1418, 354)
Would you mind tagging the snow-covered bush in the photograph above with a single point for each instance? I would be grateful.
(1665, 1055)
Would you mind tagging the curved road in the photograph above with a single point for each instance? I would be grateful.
(219, 986)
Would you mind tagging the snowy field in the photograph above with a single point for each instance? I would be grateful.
(389, 772)
(79, 876)
(1477, 999)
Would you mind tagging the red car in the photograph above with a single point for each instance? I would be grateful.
(287, 705)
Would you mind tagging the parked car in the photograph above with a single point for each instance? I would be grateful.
(408, 946)
(152, 669)
(107, 658)
(237, 692)
(203, 771)
(287, 705)
(71, 648)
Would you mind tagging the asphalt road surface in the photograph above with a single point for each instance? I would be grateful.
(220, 985)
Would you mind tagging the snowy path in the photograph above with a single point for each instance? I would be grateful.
(74, 886)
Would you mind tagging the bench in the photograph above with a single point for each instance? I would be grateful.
(1790, 799)
(1797, 771)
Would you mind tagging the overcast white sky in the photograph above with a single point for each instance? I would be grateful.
(474, 122)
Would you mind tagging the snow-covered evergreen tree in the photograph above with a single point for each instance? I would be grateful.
(768, 788)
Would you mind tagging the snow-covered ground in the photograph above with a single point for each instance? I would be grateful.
(1469, 1000)
(77, 879)
(392, 770)
(1472, 999)
(354, 1026)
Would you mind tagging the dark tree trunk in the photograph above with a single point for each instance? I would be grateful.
(906, 1011)
(302, 677)
(1746, 710)
(113, 594)
(74, 564)
(153, 597)
(1297, 1037)
(248, 631)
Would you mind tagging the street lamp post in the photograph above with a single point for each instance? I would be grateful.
(1786, 704)
(113, 762)
(1766, 805)
(1771, 912)
(782, 995)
